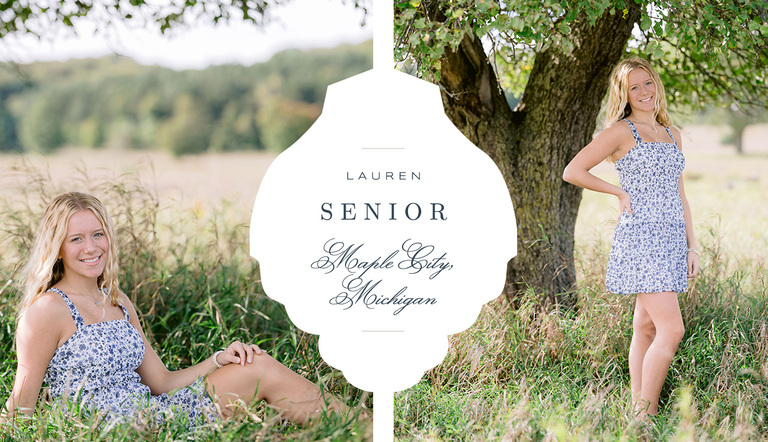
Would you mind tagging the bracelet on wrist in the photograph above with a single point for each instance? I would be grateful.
(215, 362)
(693, 250)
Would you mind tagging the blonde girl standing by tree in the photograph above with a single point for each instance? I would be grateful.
(654, 248)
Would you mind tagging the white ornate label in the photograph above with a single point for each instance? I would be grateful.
(383, 230)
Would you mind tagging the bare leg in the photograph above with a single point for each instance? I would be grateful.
(267, 379)
(643, 332)
(664, 311)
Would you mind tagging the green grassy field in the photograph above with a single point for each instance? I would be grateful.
(517, 374)
(186, 268)
(535, 374)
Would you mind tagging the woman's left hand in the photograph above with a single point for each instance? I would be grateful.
(238, 353)
(693, 264)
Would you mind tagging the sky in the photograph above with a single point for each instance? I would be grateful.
(299, 24)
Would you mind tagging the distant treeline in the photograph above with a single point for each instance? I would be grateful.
(115, 102)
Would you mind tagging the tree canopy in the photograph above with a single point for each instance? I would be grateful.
(556, 56)
(707, 51)
(40, 17)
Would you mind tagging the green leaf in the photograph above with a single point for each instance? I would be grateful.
(658, 52)
(645, 23)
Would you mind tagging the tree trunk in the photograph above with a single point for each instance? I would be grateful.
(532, 144)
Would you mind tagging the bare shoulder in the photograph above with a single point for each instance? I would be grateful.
(678, 137)
(619, 130)
(613, 139)
(122, 298)
(48, 316)
(49, 307)
(133, 316)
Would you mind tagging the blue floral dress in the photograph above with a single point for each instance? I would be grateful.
(648, 253)
(96, 368)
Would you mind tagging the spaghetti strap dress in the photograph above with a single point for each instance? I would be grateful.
(648, 253)
(96, 369)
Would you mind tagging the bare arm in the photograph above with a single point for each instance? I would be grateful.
(612, 141)
(160, 380)
(693, 257)
(38, 335)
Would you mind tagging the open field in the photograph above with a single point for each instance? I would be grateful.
(181, 229)
(721, 186)
(528, 373)
(516, 375)
(187, 182)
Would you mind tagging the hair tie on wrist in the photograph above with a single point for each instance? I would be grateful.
(215, 362)
(694, 251)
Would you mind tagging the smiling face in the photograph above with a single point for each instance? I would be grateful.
(641, 92)
(85, 249)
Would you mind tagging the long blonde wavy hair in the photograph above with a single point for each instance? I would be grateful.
(44, 269)
(617, 107)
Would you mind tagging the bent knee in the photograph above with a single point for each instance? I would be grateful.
(265, 370)
(262, 362)
(679, 332)
(673, 334)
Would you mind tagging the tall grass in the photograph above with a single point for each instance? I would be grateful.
(536, 373)
(189, 274)
(547, 374)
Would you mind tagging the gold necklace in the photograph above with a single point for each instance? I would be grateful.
(81, 294)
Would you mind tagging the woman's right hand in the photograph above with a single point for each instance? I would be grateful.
(624, 203)
(238, 353)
